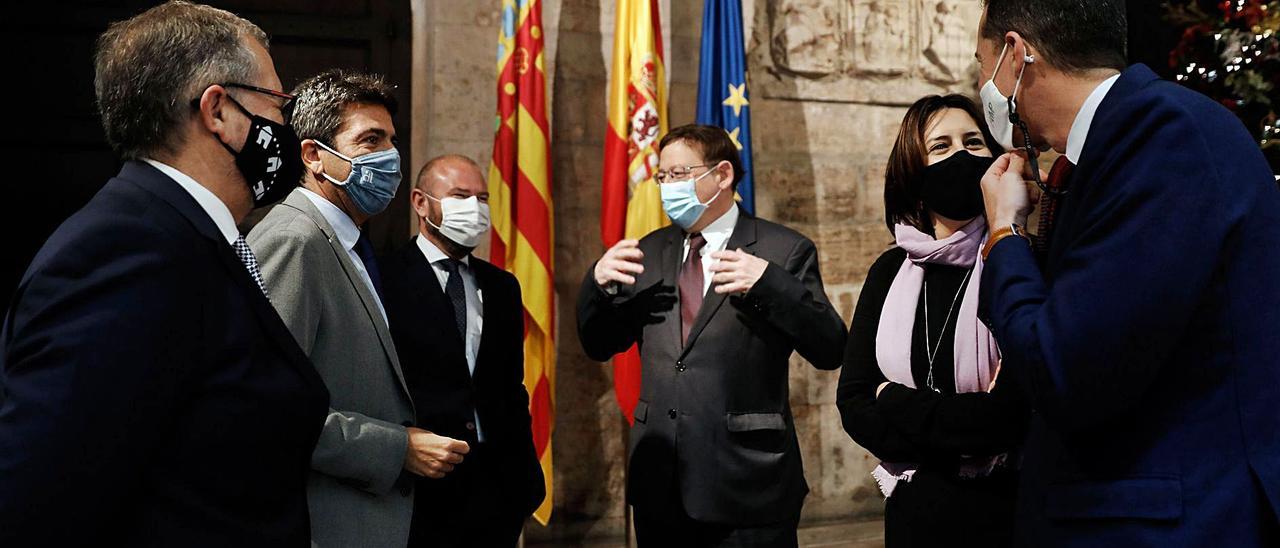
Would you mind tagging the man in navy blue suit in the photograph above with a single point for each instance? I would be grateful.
(149, 393)
(1144, 332)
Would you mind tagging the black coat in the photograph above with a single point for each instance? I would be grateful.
(447, 394)
(715, 413)
(150, 394)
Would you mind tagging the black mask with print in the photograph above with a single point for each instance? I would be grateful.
(270, 160)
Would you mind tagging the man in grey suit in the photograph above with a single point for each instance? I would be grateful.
(717, 303)
(323, 281)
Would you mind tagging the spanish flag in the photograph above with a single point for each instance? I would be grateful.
(520, 204)
(631, 205)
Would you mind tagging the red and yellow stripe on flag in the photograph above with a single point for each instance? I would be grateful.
(520, 203)
(631, 205)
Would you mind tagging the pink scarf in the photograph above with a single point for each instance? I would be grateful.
(976, 353)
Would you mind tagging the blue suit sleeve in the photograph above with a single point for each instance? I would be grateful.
(1145, 246)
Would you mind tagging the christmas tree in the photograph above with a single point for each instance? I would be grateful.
(1230, 51)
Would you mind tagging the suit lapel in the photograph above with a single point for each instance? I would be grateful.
(263, 308)
(428, 292)
(671, 259)
(159, 184)
(487, 293)
(744, 236)
(1098, 143)
(300, 202)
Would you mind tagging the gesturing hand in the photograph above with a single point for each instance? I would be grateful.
(736, 271)
(431, 455)
(621, 264)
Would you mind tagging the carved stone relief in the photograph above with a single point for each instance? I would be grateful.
(807, 36)
(865, 51)
(948, 28)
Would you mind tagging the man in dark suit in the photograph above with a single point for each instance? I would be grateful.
(717, 302)
(151, 395)
(458, 324)
(1146, 338)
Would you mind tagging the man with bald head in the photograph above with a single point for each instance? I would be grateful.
(458, 325)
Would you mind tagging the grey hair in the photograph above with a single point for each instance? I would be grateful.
(147, 70)
(321, 100)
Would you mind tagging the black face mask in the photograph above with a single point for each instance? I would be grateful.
(952, 188)
(270, 160)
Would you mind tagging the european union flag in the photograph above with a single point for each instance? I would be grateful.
(722, 84)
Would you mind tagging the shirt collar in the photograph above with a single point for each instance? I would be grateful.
(433, 253)
(208, 201)
(719, 231)
(343, 227)
(1084, 119)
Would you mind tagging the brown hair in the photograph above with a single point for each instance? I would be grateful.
(902, 202)
(147, 69)
(320, 107)
(713, 143)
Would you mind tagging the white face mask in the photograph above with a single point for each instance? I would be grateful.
(999, 109)
(464, 220)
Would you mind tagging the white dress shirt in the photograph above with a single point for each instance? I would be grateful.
(348, 235)
(475, 302)
(1084, 119)
(717, 236)
(209, 202)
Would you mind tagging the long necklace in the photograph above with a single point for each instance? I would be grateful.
(931, 351)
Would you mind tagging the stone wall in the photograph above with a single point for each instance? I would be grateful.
(829, 82)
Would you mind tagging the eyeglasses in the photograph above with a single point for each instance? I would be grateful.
(678, 173)
(288, 99)
(286, 107)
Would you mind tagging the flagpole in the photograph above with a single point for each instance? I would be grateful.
(629, 525)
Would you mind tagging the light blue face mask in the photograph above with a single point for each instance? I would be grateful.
(373, 181)
(680, 200)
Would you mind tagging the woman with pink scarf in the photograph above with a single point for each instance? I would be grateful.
(919, 383)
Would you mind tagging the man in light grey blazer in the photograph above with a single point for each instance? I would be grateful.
(323, 281)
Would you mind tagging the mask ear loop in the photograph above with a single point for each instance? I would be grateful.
(339, 155)
(1017, 120)
(718, 190)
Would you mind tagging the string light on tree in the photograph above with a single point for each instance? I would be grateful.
(1232, 54)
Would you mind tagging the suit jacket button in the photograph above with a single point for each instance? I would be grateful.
(671, 413)
(406, 489)
(680, 366)
(471, 426)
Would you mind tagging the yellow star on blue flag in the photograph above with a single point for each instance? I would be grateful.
(723, 66)
(737, 99)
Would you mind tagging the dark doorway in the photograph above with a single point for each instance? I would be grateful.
(55, 40)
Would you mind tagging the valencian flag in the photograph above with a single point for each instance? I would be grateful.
(631, 205)
(520, 203)
(722, 84)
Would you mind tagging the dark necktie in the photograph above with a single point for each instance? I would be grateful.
(457, 297)
(691, 286)
(1058, 175)
(364, 250)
